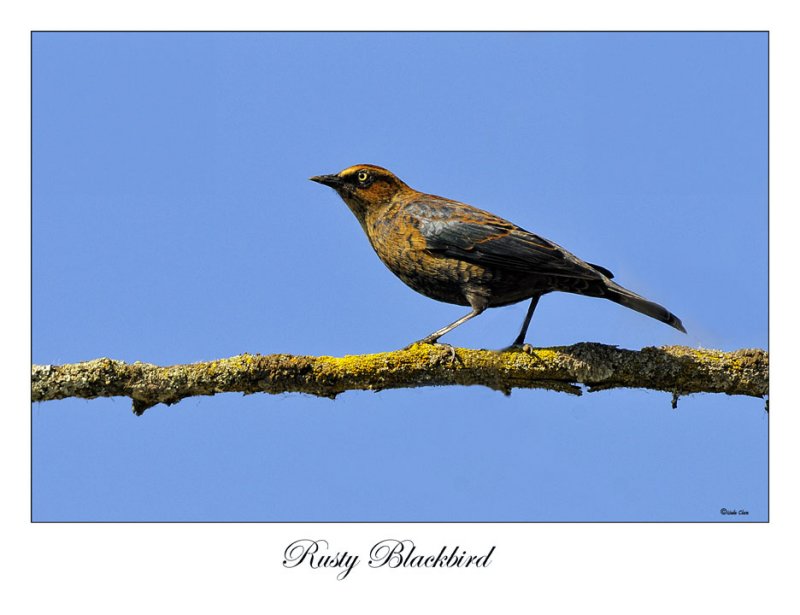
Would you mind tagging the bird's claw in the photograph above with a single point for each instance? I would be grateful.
(453, 355)
(526, 348)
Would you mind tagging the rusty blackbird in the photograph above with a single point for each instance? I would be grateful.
(460, 254)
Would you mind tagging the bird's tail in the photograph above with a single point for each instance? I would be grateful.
(629, 299)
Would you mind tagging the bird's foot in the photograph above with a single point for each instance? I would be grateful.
(521, 347)
(449, 350)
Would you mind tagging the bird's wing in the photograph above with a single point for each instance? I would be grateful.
(464, 232)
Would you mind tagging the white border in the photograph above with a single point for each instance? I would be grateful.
(235, 568)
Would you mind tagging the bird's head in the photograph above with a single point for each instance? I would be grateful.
(364, 187)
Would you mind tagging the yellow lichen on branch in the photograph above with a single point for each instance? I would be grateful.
(675, 369)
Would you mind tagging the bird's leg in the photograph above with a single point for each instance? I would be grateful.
(526, 323)
(433, 338)
(520, 341)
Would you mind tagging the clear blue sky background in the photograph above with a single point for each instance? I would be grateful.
(173, 222)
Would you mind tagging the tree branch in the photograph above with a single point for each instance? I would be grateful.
(675, 369)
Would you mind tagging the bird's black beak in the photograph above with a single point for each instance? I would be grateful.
(333, 181)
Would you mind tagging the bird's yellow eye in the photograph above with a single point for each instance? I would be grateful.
(363, 176)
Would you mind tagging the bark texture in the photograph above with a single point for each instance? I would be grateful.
(674, 369)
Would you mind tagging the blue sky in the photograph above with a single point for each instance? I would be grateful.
(173, 222)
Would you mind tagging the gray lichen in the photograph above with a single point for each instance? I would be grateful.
(675, 369)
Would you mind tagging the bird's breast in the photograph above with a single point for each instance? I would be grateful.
(396, 238)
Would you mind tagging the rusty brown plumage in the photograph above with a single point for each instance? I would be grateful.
(457, 253)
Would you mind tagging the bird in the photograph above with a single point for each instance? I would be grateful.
(463, 255)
